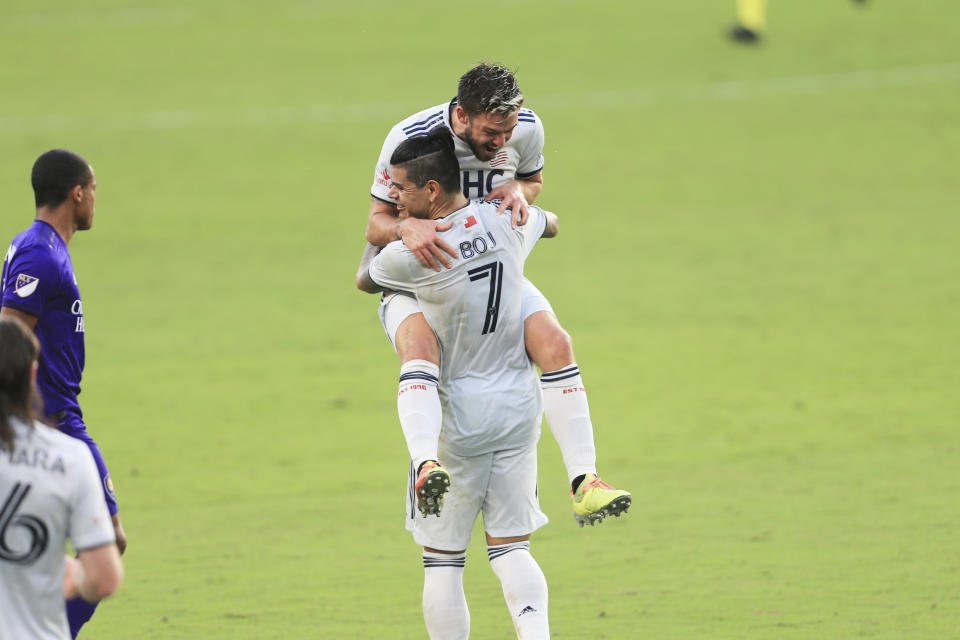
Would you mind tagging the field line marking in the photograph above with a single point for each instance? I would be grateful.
(892, 77)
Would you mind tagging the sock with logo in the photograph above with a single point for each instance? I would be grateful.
(752, 14)
(79, 611)
(418, 406)
(444, 602)
(568, 416)
(524, 588)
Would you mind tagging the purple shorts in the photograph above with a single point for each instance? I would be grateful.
(74, 427)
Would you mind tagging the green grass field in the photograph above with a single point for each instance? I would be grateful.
(758, 263)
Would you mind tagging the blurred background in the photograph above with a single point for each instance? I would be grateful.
(757, 263)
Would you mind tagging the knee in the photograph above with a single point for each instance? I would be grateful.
(415, 341)
(548, 344)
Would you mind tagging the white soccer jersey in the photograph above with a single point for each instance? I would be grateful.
(521, 157)
(488, 387)
(49, 491)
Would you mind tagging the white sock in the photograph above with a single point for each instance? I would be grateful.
(524, 588)
(568, 416)
(444, 603)
(418, 406)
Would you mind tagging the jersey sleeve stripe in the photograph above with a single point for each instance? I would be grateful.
(423, 125)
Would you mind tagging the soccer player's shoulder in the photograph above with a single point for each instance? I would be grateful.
(421, 122)
(528, 122)
(396, 252)
(487, 211)
(32, 253)
(59, 445)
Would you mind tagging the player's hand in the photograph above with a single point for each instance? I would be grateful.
(421, 237)
(512, 198)
(72, 577)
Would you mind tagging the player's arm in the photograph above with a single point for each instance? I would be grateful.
(27, 318)
(552, 228)
(94, 574)
(517, 195)
(364, 281)
(420, 236)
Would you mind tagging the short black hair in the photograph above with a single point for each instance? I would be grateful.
(429, 157)
(489, 88)
(55, 173)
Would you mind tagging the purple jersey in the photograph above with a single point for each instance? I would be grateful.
(38, 279)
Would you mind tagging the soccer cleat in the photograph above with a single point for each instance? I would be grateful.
(740, 33)
(594, 500)
(432, 482)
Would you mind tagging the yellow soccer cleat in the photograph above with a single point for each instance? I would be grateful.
(432, 482)
(594, 500)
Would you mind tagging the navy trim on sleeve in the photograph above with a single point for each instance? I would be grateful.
(529, 175)
(382, 200)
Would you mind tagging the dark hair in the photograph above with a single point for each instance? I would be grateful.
(429, 157)
(19, 349)
(55, 173)
(489, 88)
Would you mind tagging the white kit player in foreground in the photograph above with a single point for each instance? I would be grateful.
(498, 146)
(488, 389)
(49, 491)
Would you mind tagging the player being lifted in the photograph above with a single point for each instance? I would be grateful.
(488, 387)
(499, 146)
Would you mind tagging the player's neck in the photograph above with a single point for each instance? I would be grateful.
(61, 219)
(442, 209)
(456, 126)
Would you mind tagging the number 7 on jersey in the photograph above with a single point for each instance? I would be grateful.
(494, 271)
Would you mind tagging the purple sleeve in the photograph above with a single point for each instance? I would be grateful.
(30, 280)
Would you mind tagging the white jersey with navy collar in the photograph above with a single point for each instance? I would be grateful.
(520, 158)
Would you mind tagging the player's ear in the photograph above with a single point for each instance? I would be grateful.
(76, 194)
(433, 189)
(461, 115)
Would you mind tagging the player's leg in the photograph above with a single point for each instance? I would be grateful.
(564, 397)
(511, 513)
(418, 404)
(445, 610)
(751, 20)
(565, 404)
(79, 611)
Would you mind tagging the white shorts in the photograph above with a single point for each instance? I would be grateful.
(502, 485)
(395, 307)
